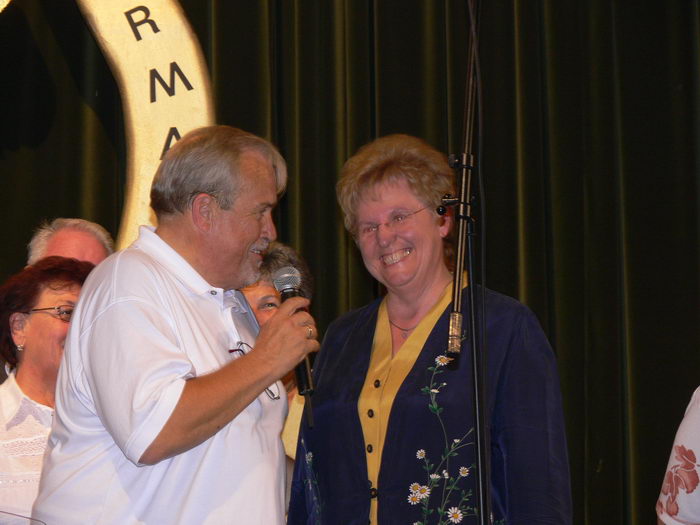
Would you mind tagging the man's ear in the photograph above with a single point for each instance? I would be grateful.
(204, 209)
(18, 322)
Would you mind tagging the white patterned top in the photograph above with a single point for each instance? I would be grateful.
(679, 501)
(24, 429)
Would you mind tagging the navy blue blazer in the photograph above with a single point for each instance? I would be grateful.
(426, 474)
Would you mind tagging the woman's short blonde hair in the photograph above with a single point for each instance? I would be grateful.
(393, 158)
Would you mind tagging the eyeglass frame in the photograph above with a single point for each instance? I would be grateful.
(396, 222)
(241, 346)
(57, 313)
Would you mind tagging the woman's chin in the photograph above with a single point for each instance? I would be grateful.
(397, 280)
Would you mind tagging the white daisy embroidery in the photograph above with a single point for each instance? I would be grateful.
(423, 491)
(454, 515)
(442, 360)
(439, 478)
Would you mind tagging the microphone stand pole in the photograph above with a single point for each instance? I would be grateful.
(465, 168)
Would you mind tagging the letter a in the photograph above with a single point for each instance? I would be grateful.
(173, 133)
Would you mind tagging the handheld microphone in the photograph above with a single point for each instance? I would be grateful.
(287, 282)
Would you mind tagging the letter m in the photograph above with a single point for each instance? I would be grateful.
(168, 87)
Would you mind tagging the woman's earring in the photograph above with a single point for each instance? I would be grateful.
(20, 348)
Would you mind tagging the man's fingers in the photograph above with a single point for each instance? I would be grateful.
(293, 305)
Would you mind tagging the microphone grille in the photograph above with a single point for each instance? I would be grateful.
(286, 278)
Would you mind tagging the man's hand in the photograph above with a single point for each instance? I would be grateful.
(210, 402)
(287, 337)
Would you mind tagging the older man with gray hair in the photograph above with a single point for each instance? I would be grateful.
(66, 237)
(169, 408)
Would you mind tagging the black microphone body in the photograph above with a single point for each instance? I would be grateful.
(287, 282)
(305, 383)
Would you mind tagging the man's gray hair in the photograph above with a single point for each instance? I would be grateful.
(42, 235)
(206, 160)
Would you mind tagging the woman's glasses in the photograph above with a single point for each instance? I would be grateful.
(397, 222)
(62, 312)
(242, 348)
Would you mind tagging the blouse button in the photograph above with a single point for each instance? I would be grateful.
(370, 413)
(377, 382)
(373, 492)
(213, 292)
(370, 448)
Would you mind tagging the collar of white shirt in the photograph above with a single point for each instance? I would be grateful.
(17, 407)
(150, 243)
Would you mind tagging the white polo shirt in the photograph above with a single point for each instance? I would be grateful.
(144, 324)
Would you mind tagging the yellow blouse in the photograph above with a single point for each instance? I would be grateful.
(384, 378)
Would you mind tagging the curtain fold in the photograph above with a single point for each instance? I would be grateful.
(590, 137)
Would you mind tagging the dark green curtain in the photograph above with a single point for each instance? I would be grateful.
(590, 133)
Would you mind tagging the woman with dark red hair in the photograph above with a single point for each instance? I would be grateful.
(35, 308)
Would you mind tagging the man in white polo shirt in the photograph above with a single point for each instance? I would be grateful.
(168, 409)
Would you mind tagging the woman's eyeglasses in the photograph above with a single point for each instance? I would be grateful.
(242, 348)
(397, 222)
(62, 312)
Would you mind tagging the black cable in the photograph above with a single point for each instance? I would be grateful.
(478, 168)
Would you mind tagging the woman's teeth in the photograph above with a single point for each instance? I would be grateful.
(395, 257)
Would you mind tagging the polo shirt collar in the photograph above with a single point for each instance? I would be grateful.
(150, 243)
(17, 406)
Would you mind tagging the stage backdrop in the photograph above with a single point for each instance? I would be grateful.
(591, 134)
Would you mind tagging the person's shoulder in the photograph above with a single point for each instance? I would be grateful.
(694, 404)
(129, 273)
(504, 306)
(354, 317)
(5, 392)
(351, 322)
(356, 325)
(511, 321)
(129, 261)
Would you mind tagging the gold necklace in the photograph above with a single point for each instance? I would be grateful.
(404, 331)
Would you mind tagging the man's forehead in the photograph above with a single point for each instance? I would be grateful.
(254, 163)
(76, 244)
(257, 186)
(251, 161)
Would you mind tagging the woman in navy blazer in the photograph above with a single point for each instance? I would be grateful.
(393, 438)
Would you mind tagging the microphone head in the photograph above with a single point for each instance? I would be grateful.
(286, 278)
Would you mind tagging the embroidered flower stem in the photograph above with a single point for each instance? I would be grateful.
(440, 475)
